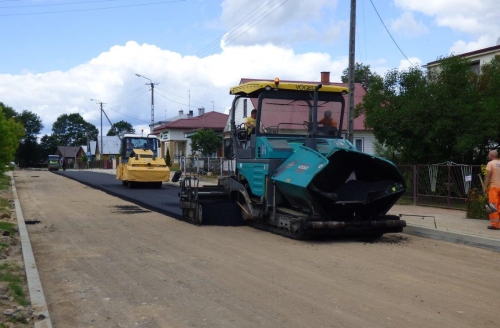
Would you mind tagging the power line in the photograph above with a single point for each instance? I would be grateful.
(214, 43)
(183, 104)
(237, 28)
(211, 47)
(254, 17)
(137, 119)
(55, 4)
(390, 34)
(173, 94)
(159, 94)
(208, 49)
(364, 32)
(92, 9)
(122, 100)
(234, 37)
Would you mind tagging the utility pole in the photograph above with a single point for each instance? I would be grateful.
(352, 50)
(100, 144)
(152, 85)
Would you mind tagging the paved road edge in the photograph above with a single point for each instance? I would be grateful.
(454, 237)
(37, 296)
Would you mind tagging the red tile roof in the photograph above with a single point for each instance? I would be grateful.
(211, 120)
(359, 93)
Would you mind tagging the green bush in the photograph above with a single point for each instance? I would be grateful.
(168, 159)
(475, 205)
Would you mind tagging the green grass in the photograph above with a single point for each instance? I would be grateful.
(405, 201)
(174, 167)
(12, 274)
(4, 204)
(3, 245)
(8, 226)
(4, 181)
(8, 273)
(19, 295)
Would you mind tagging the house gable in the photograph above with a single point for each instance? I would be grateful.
(479, 57)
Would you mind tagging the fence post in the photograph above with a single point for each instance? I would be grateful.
(183, 164)
(415, 184)
(448, 198)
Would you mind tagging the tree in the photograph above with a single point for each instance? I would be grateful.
(73, 130)
(387, 152)
(489, 93)
(8, 111)
(168, 159)
(29, 151)
(433, 118)
(48, 145)
(362, 74)
(205, 141)
(10, 134)
(120, 127)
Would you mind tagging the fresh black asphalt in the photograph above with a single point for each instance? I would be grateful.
(164, 200)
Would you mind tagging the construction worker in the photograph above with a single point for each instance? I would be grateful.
(492, 187)
(251, 122)
(327, 120)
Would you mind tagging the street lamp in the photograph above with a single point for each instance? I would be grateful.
(152, 98)
(100, 145)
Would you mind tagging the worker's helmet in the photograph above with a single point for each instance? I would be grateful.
(328, 114)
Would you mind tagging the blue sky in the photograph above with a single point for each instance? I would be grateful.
(58, 54)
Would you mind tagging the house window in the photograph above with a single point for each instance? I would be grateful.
(474, 66)
(358, 143)
(245, 106)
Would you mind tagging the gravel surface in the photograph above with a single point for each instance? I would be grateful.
(106, 262)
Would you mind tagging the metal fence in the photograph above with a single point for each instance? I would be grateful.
(445, 186)
(98, 164)
(440, 185)
(204, 165)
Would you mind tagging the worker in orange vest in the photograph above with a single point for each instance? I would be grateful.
(492, 186)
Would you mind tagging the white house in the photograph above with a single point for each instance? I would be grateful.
(175, 135)
(477, 58)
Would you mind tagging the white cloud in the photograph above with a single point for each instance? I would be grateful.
(278, 22)
(478, 19)
(408, 26)
(460, 47)
(110, 78)
(405, 64)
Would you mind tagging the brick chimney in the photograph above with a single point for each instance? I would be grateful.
(181, 112)
(325, 77)
(201, 111)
